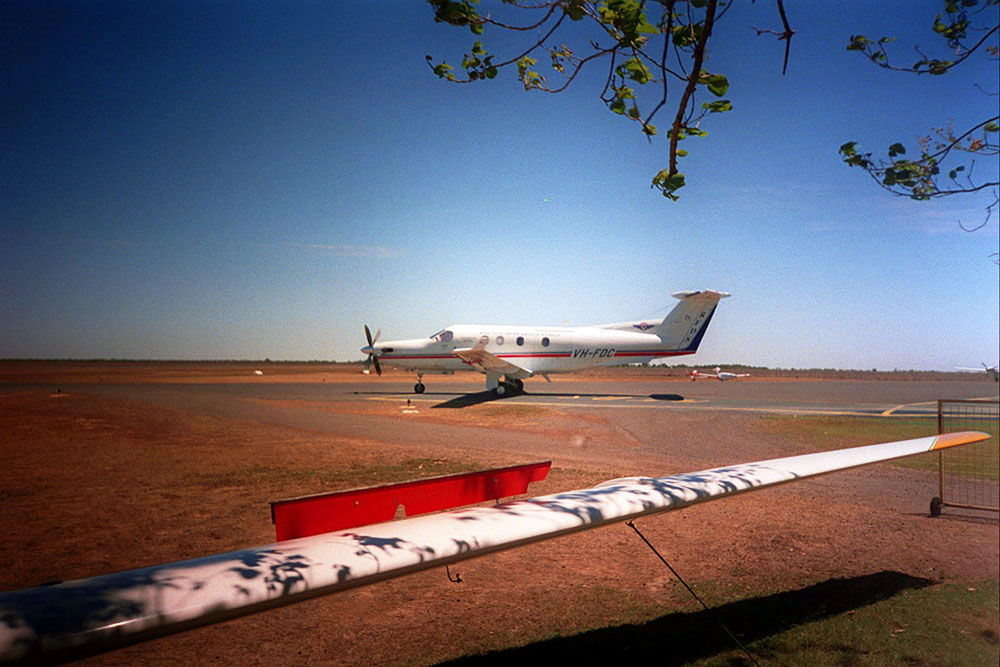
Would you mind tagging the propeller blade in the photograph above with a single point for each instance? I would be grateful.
(370, 349)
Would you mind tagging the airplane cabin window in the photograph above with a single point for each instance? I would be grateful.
(520, 340)
(499, 340)
(545, 342)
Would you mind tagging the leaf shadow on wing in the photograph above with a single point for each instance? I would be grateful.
(77, 619)
(682, 637)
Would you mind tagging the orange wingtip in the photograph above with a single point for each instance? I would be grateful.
(946, 440)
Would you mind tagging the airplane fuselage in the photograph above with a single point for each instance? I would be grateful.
(536, 349)
(518, 352)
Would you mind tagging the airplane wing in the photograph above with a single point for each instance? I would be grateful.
(484, 361)
(78, 618)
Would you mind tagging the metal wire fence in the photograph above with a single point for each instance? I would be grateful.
(969, 477)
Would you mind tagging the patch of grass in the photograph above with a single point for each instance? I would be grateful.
(834, 432)
(946, 624)
(886, 618)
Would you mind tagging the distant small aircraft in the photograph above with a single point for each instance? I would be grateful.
(518, 352)
(719, 374)
(992, 370)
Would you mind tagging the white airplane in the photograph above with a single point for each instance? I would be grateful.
(63, 621)
(719, 374)
(515, 353)
(994, 371)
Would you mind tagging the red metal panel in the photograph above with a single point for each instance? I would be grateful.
(327, 512)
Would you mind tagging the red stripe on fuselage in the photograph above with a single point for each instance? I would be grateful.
(541, 355)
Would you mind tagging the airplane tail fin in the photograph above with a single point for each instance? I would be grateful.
(684, 327)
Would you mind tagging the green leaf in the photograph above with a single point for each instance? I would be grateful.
(858, 43)
(443, 70)
(718, 106)
(717, 84)
(668, 184)
(637, 71)
(939, 67)
(675, 182)
(454, 13)
(575, 10)
(897, 149)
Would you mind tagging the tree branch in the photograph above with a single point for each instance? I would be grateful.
(699, 56)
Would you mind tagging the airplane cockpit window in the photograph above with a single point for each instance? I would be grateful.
(443, 336)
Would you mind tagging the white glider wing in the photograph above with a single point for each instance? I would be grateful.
(78, 618)
(484, 361)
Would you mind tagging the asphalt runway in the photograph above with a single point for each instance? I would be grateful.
(820, 397)
(805, 397)
(704, 423)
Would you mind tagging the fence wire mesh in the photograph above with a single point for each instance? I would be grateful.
(970, 476)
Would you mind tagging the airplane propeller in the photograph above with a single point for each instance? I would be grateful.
(370, 350)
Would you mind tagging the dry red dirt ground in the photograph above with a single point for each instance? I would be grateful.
(91, 484)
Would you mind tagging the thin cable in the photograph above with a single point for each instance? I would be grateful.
(693, 594)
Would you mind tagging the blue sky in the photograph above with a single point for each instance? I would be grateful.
(242, 180)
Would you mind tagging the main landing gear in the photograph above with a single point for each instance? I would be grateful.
(500, 388)
(509, 387)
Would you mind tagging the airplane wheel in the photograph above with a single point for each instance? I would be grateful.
(500, 389)
(518, 385)
(936, 504)
(419, 387)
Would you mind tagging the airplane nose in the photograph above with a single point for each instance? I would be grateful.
(367, 349)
